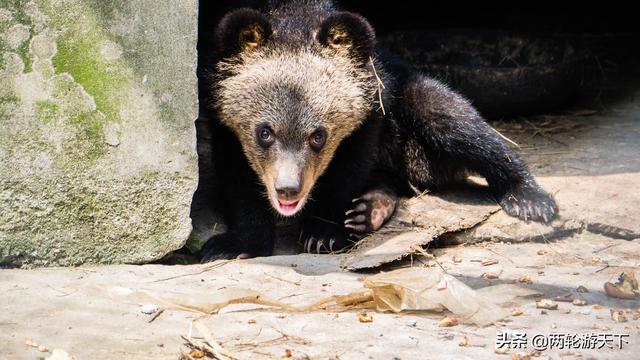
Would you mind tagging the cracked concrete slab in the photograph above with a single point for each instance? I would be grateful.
(77, 310)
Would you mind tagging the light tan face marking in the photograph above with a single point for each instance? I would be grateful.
(335, 93)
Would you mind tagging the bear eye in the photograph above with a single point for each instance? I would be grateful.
(266, 136)
(318, 139)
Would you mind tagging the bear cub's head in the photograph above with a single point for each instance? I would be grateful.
(292, 96)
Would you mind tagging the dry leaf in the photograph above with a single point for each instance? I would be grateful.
(448, 321)
(546, 304)
(457, 259)
(500, 351)
(288, 353)
(541, 252)
(516, 312)
(625, 288)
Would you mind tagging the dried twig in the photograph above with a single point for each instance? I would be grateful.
(505, 138)
(380, 85)
(156, 315)
(419, 250)
(216, 349)
(208, 267)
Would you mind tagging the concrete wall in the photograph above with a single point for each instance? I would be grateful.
(97, 141)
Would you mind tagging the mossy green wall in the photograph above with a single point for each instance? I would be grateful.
(97, 141)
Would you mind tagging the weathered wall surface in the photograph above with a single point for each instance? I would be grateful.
(97, 141)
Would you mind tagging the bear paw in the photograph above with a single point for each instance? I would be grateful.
(529, 203)
(323, 237)
(370, 212)
(219, 247)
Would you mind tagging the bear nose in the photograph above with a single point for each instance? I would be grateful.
(288, 192)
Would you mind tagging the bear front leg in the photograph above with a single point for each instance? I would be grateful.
(241, 243)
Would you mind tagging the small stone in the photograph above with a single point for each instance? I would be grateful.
(516, 312)
(547, 304)
(526, 278)
(412, 323)
(582, 289)
(618, 315)
(579, 302)
(365, 318)
(149, 309)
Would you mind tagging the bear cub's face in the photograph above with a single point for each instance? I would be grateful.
(292, 100)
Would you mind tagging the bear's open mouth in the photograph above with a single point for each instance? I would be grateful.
(289, 207)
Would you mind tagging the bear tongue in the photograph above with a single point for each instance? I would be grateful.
(288, 206)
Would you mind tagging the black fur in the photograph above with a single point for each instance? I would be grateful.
(239, 27)
(430, 137)
(358, 32)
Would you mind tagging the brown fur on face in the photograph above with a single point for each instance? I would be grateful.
(294, 93)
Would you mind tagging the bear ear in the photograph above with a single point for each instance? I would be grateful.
(348, 34)
(242, 30)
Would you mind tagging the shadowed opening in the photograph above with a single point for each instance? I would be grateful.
(510, 61)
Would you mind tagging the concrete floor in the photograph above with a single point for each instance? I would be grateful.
(591, 161)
